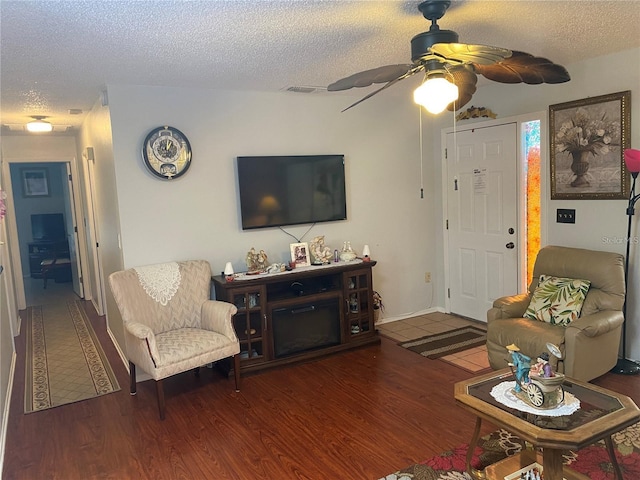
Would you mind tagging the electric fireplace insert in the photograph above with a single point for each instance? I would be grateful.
(306, 326)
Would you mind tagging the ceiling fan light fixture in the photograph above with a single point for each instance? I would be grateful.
(435, 94)
(38, 125)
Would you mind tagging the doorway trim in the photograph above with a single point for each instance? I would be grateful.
(12, 227)
(519, 120)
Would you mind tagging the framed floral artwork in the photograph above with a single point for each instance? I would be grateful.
(588, 138)
(300, 254)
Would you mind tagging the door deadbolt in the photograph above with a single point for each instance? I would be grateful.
(511, 231)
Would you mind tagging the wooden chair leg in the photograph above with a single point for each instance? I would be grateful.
(45, 272)
(160, 392)
(132, 376)
(236, 370)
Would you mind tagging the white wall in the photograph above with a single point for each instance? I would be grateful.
(96, 133)
(196, 216)
(7, 317)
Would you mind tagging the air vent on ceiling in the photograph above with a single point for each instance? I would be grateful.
(304, 89)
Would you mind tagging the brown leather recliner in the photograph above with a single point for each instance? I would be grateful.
(590, 344)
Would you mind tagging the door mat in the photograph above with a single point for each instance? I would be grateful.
(441, 344)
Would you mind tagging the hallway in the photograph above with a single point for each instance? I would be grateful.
(36, 294)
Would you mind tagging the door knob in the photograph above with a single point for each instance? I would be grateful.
(510, 245)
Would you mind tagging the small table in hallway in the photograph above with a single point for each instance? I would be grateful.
(602, 413)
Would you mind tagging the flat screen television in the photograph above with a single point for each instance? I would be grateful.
(290, 190)
(48, 227)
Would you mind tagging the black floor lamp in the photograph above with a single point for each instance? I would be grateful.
(632, 160)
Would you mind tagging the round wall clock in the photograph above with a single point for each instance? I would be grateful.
(166, 152)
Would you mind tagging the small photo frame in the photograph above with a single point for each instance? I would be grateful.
(35, 182)
(300, 254)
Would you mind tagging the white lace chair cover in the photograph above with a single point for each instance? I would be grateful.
(160, 281)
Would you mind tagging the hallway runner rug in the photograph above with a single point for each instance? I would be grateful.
(592, 461)
(64, 360)
(452, 341)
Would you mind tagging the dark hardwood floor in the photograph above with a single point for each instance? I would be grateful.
(356, 415)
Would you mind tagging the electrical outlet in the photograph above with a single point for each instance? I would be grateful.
(427, 277)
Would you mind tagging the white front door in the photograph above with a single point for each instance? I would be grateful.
(482, 179)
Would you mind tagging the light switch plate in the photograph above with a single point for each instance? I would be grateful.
(566, 215)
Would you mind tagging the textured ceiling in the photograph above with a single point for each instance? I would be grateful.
(59, 55)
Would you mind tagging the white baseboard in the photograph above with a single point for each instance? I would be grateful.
(122, 355)
(5, 413)
(384, 320)
(95, 305)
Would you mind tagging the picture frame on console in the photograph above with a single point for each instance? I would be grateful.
(587, 142)
(300, 254)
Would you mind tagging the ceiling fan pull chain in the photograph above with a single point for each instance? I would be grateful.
(421, 153)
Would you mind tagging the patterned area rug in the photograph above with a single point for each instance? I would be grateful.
(64, 362)
(441, 344)
(592, 461)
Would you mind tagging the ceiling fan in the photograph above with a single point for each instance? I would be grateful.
(453, 66)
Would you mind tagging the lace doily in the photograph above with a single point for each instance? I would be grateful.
(161, 281)
(503, 393)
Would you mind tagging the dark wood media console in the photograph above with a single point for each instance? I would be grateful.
(302, 314)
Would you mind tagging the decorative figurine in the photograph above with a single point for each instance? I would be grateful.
(537, 385)
(276, 268)
(522, 364)
(256, 262)
(321, 253)
(542, 367)
(353, 303)
(263, 261)
(347, 253)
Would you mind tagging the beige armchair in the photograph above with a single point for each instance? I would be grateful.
(590, 343)
(170, 323)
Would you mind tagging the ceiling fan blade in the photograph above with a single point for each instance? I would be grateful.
(467, 53)
(414, 69)
(465, 80)
(368, 77)
(523, 67)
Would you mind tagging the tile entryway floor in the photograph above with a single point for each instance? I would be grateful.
(473, 359)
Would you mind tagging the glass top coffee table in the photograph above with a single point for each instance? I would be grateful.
(602, 413)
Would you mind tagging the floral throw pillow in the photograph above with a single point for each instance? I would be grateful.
(557, 301)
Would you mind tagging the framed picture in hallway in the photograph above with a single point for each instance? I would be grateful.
(35, 182)
(587, 139)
